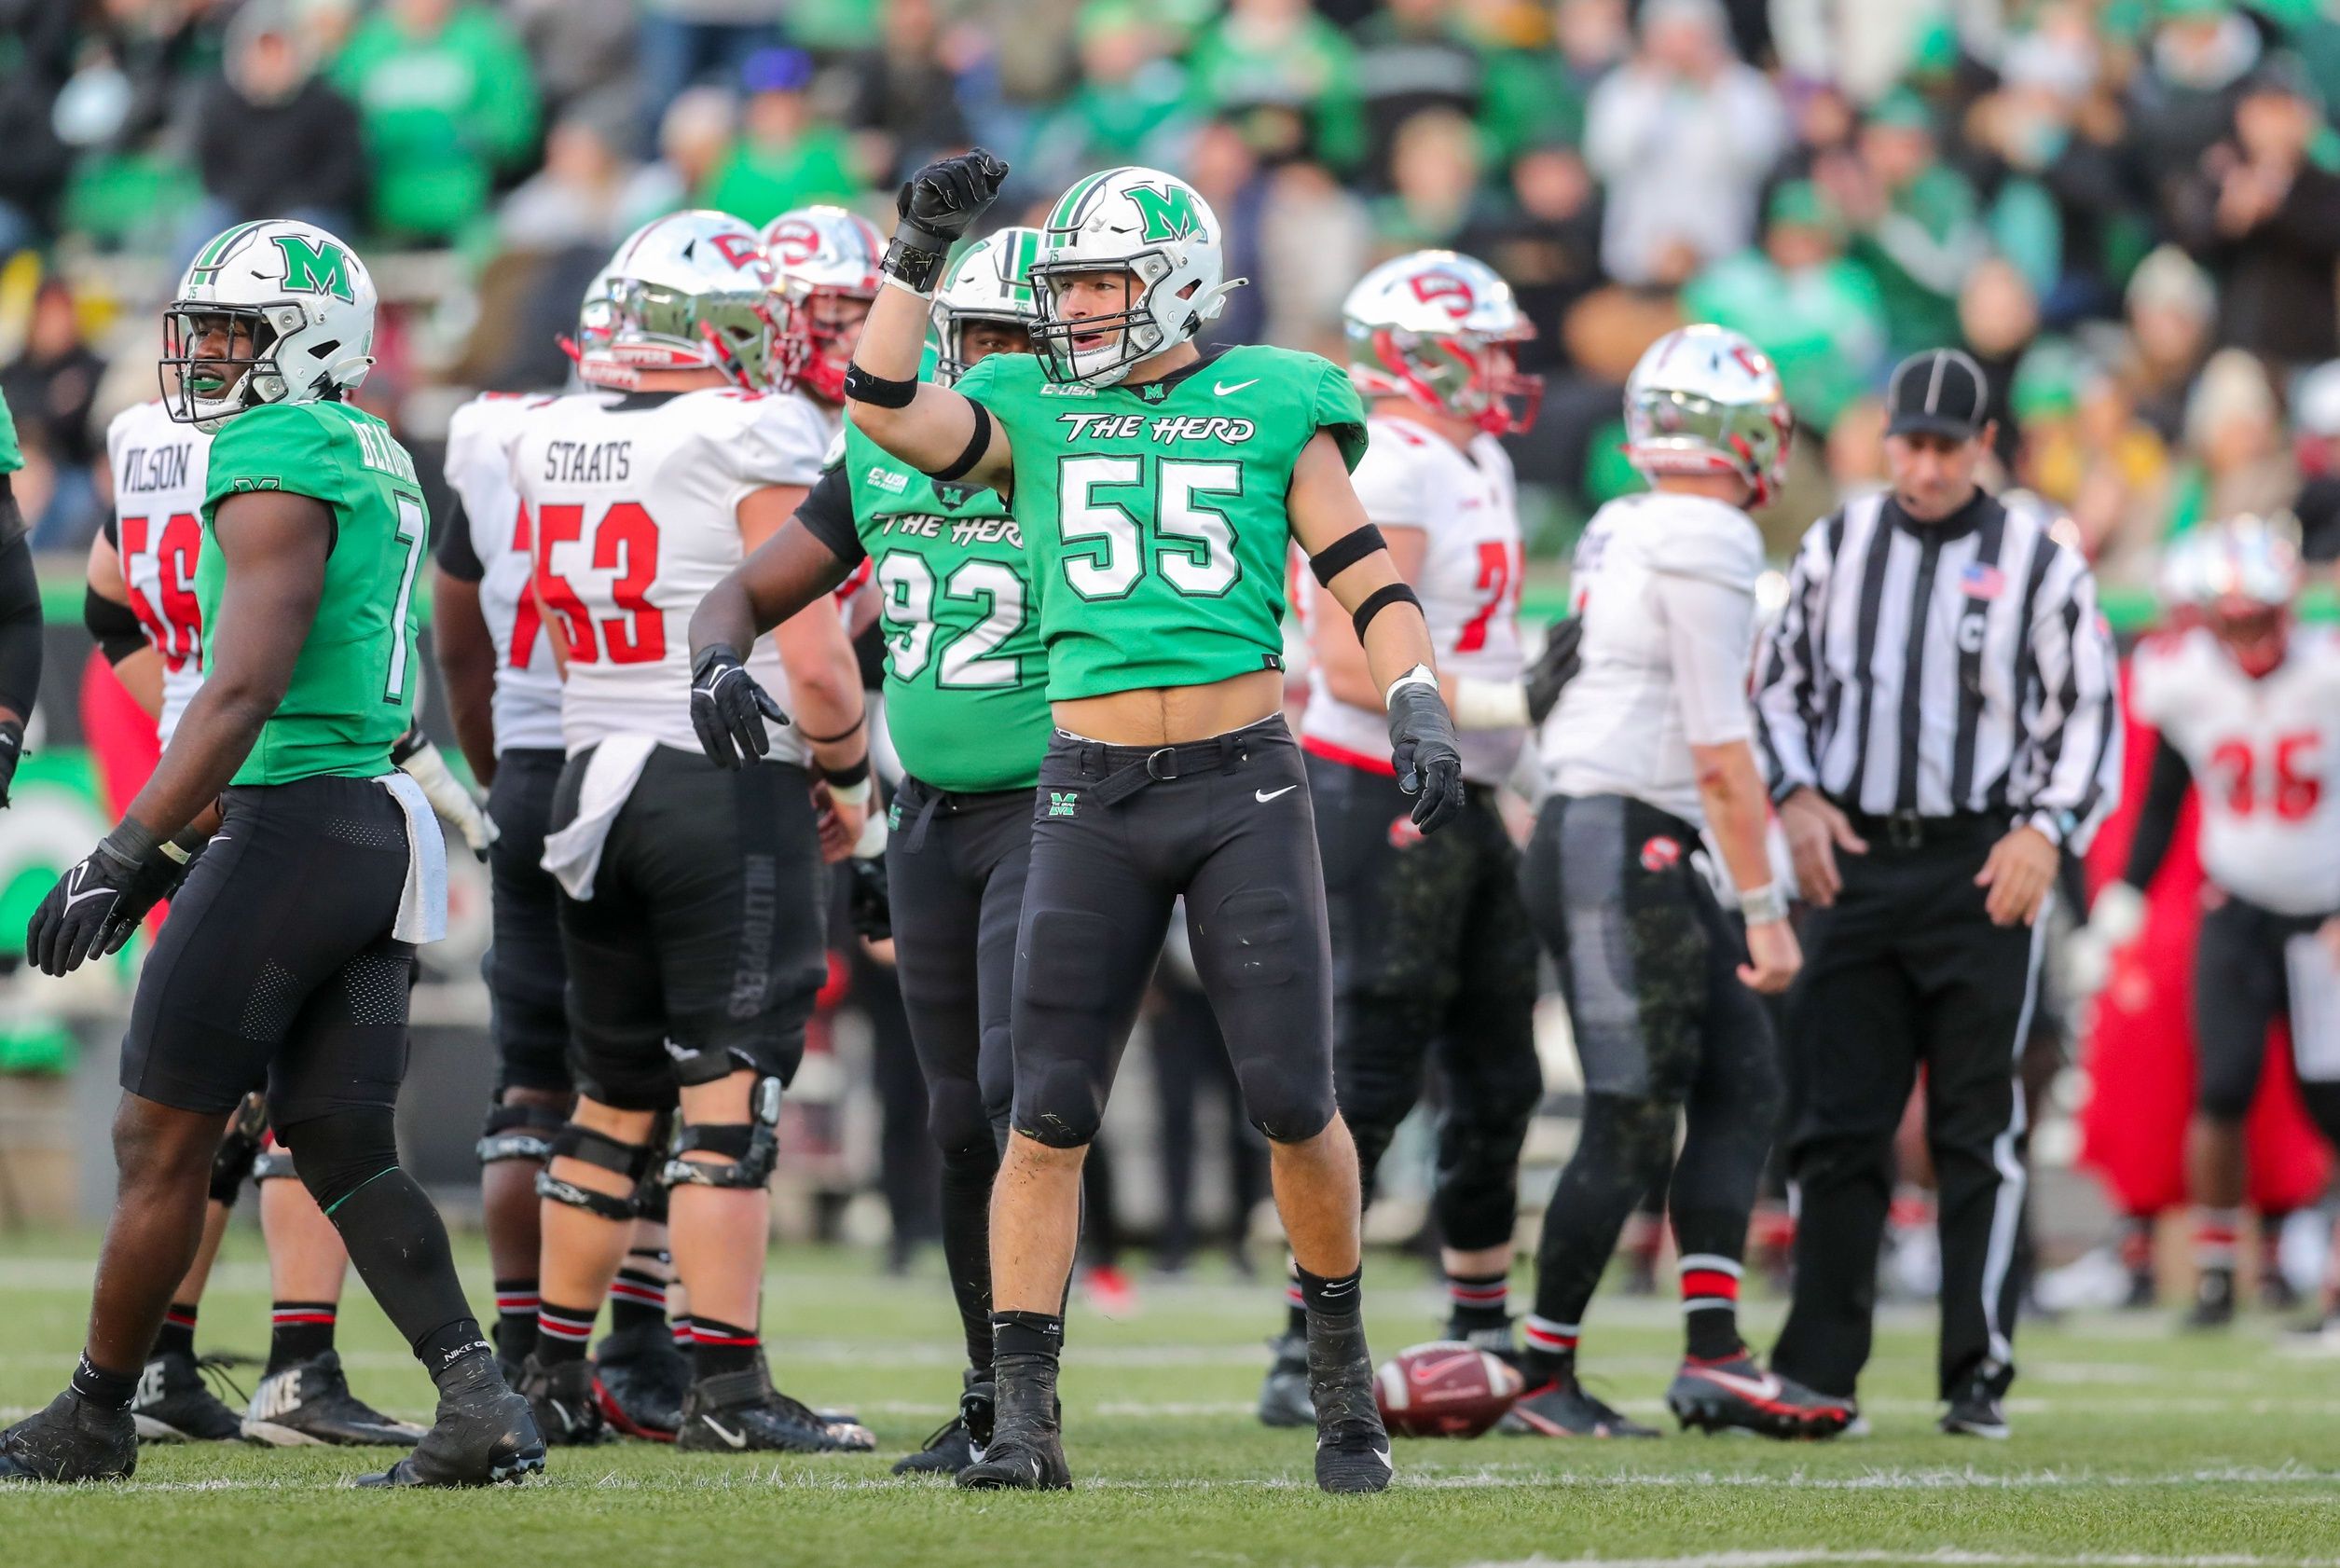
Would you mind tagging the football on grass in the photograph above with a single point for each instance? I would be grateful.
(1445, 1389)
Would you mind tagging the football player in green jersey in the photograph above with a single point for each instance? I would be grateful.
(966, 706)
(1159, 491)
(291, 947)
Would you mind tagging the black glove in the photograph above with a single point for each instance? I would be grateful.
(942, 201)
(869, 902)
(728, 708)
(95, 906)
(1554, 668)
(1429, 756)
(11, 753)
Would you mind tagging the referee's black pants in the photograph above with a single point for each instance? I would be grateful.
(1906, 970)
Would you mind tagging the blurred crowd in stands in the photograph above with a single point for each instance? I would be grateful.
(2127, 209)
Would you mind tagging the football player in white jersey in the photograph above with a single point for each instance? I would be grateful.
(824, 275)
(1648, 748)
(692, 908)
(1433, 955)
(2248, 707)
(139, 604)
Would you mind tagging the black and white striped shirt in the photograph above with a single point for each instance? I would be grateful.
(1943, 667)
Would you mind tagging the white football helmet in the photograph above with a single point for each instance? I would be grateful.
(1150, 226)
(596, 323)
(818, 253)
(299, 305)
(689, 291)
(1704, 400)
(2246, 573)
(991, 281)
(1438, 327)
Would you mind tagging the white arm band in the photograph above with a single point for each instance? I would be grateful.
(1489, 704)
(1762, 905)
(850, 794)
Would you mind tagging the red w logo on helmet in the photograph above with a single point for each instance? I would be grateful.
(793, 243)
(738, 249)
(1444, 288)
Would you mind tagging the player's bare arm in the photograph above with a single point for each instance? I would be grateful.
(466, 652)
(1333, 641)
(931, 428)
(114, 626)
(1731, 789)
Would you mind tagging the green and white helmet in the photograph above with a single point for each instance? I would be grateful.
(1158, 229)
(991, 281)
(300, 306)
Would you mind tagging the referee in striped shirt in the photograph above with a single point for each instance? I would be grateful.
(1935, 710)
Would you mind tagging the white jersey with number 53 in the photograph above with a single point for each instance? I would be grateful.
(1464, 505)
(160, 467)
(2263, 758)
(633, 503)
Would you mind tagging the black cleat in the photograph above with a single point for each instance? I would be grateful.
(309, 1402)
(174, 1405)
(639, 1380)
(742, 1412)
(1720, 1395)
(483, 1435)
(1352, 1444)
(1976, 1412)
(70, 1440)
(564, 1398)
(1026, 1451)
(959, 1442)
(1283, 1392)
(1561, 1408)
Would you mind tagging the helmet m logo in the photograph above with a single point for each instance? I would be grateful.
(315, 268)
(1168, 211)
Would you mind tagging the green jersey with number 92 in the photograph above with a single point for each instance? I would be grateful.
(1156, 516)
(966, 703)
(353, 683)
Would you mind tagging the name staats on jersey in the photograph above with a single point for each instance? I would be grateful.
(635, 503)
(2265, 759)
(965, 676)
(495, 551)
(354, 684)
(1665, 584)
(1154, 516)
(160, 468)
(1464, 504)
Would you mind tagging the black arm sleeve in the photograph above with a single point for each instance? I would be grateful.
(2157, 818)
(12, 524)
(113, 626)
(19, 626)
(457, 557)
(826, 514)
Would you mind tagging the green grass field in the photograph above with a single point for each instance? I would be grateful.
(2132, 1446)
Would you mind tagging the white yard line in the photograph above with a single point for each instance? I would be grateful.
(1951, 1557)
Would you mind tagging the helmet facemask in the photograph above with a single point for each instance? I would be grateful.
(813, 354)
(1463, 374)
(952, 360)
(2253, 633)
(654, 327)
(205, 389)
(1137, 332)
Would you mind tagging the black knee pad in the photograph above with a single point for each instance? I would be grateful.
(1289, 1102)
(1063, 1108)
(751, 1147)
(342, 1151)
(520, 1131)
(1475, 1197)
(651, 1192)
(631, 1161)
(956, 1119)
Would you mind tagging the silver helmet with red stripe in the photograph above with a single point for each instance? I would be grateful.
(689, 291)
(1440, 328)
(1704, 400)
(824, 275)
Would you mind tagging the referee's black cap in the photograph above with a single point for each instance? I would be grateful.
(1939, 391)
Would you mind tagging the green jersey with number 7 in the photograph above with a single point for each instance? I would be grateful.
(1154, 513)
(353, 686)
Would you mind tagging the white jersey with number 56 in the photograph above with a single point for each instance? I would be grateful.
(160, 467)
(2265, 757)
(1464, 505)
(634, 501)
(480, 436)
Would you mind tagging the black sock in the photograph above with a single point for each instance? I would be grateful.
(106, 1390)
(1332, 1297)
(1027, 1334)
(178, 1331)
(458, 1353)
(717, 1348)
(562, 1333)
(298, 1331)
(516, 1318)
(1710, 1307)
(638, 1297)
(1478, 1302)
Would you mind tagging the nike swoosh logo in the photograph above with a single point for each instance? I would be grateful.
(1765, 1388)
(1429, 1372)
(1264, 796)
(736, 1440)
(81, 874)
(1223, 390)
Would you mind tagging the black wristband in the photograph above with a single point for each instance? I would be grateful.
(1345, 552)
(880, 391)
(915, 266)
(712, 653)
(973, 453)
(850, 775)
(1380, 599)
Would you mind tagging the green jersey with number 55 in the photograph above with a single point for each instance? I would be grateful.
(354, 684)
(1155, 515)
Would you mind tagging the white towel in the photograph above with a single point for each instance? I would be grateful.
(574, 855)
(422, 903)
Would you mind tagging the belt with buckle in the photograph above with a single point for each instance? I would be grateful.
(1911, 830)
(1128, 769)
